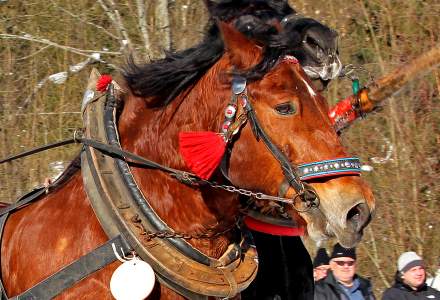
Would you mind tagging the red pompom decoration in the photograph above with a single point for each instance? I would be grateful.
(202, 151)
(342, 113)
(103, 83)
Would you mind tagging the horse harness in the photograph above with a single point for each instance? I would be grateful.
(129, 220)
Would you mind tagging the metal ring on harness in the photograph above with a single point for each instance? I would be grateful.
(78, 134)
(304, 199)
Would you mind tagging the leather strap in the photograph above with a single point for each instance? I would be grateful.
(75, 272)
(136, 194)
(28, 198)
(36, 150)
(271, 228)
(288, 170)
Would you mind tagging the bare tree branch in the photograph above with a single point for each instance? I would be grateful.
(83, 52)
(163, 22)
(115, 17)
(84, 21)
(59, 78)
(142, 20)
(377, 265)
(30, 55)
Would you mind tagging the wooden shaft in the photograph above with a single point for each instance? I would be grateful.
(391, 83)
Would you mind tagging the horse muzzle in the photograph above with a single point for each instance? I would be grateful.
(345, 209)
(356, 219)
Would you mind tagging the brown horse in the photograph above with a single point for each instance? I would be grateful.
(43, 237)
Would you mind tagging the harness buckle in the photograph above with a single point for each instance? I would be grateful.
(78, 135)
(306, 200)
(185, 178)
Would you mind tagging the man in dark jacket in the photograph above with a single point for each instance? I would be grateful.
(410, 280)
(320, 264)
(342, 282)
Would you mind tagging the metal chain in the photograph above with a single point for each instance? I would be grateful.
(166, 234)
(260, 196)
(350, 68)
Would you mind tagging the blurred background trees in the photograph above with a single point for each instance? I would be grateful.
(47, 49)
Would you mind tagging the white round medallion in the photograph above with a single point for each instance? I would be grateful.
(230, 111)
(133, 280)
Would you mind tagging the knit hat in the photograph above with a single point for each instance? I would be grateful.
(339, 251)
(321, 258)
(408, 260)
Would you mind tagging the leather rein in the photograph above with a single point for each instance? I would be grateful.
(183, 176)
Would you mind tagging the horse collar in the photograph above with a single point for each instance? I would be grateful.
(122, 209)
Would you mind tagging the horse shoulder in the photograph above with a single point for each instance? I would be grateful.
(43, 237)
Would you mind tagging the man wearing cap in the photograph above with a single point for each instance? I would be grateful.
(342, 282)
(320, 264)
(410, 280)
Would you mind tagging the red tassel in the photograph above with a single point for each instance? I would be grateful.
(202, 151)
(343, 113)
(103, 83)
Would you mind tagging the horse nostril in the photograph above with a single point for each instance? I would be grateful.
(353, 214)
(358, 216)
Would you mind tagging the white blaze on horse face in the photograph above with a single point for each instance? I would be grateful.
(309, 88)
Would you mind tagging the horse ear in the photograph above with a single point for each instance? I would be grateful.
(242, 51)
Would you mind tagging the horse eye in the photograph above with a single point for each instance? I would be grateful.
(286, 108)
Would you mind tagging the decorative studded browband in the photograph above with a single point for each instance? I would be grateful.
(331, 167)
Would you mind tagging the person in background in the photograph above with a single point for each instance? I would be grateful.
(434, 281)
(320, 264)
(342, 282)
(410, 280)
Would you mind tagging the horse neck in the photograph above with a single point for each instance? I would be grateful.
(153, 133)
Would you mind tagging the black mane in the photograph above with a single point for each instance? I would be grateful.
(164, 79)
(228, 10)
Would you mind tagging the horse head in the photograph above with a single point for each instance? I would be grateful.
(314, 44)
(285, 124)
(293, 117)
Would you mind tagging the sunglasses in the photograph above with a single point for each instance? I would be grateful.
(341, 263)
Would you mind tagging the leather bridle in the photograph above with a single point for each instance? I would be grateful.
(305, 197)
